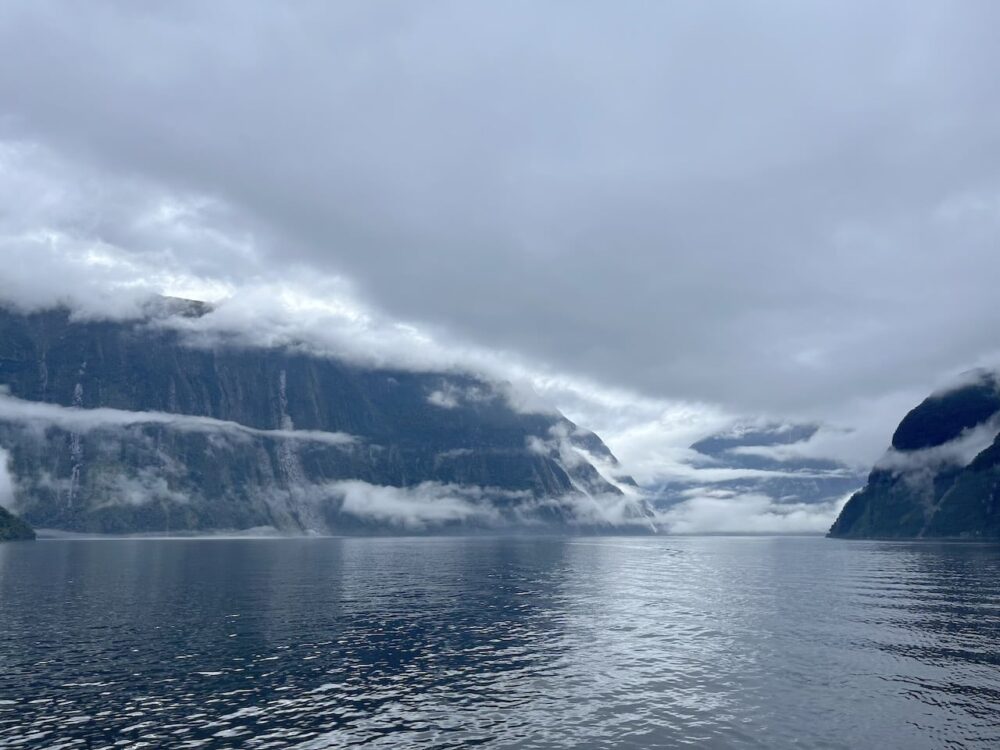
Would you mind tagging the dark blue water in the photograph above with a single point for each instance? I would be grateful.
(704, 642)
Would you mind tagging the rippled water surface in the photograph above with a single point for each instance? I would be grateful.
(534, 643)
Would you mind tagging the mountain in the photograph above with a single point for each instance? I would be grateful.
(941, 476)
(138, 426)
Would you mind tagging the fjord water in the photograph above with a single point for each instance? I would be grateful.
(534, 643)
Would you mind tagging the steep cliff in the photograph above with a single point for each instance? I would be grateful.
(130, 426)
(941, 477)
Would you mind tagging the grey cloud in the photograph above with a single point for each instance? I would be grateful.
(695, 201)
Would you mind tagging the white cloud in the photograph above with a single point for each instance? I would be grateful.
(432, 504)
(6, 481)
(449, 396)
(443, 399)
(720, 512)
(38, 415)
(414, 508)
(141, 488)
(958, 452)
(102, 244)
(697, 236)
(626, 510)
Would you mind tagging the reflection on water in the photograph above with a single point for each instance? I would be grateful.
(535, 643)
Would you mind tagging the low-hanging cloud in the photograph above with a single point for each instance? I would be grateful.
(414, 508)
(724, 512)
(432, 505)
(957, 452)
(35, 414)
(450, 396)
(142, 487)
(6, 481)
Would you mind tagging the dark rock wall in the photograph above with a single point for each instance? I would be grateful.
(155, 477)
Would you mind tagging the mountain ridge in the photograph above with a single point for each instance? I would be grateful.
(122, 426)
(940, 478)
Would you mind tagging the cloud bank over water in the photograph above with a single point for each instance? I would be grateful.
(721, 513)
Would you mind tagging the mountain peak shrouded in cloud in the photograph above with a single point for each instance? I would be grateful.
(942, 417)
(124, 426)
(941, 475)
(658, 256)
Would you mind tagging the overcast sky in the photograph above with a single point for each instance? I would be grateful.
(679, 211)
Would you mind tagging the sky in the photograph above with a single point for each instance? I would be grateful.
(662, 216)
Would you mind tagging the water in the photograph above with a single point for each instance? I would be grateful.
(533, 643)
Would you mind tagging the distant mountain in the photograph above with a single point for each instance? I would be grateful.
(749, 460)
(941, 476)
(123, 427)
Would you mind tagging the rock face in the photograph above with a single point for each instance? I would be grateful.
(129, 427)
(13, 529)
(941, 477)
